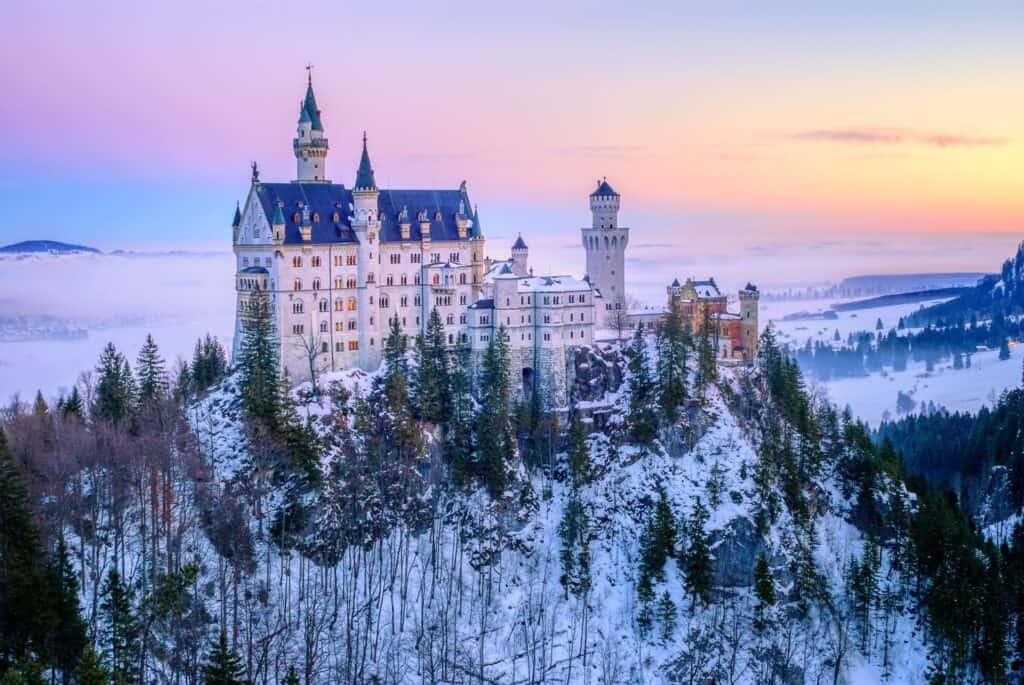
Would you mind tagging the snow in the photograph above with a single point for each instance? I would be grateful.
(870, 397)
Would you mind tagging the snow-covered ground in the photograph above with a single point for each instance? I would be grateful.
(870, 397)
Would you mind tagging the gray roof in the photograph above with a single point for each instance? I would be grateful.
(483, 304)
(309, 111)
(254, 270)
(603, 189)
(364, 175)
(326, 199)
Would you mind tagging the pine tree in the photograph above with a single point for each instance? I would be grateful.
(658, 540)
(113, 398)
(459, 429)
(667, 617)
(91, 670)
(119, 627)
(259, 364)
(72, 405)
(150, 372)
(494, 437)
(642, 419)
(291, 677)
(39, 408)
(764, 590)
(575, 554)
(67, 636)
(433, 384)
(1004, 349)
(707, 369)
(22, 584)
(696, 555)
(223, 666)
(672, 347)
(209, 363)
(579, 452)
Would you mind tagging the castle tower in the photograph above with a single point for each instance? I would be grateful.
(310, 145)
(520, 255)
(605, 243)
(749, 298)
(366, 225)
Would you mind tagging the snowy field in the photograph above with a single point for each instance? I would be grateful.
(870, 397)
(176, 297)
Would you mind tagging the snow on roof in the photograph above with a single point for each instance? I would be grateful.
(553, 284)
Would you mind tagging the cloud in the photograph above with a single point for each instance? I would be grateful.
(896, 136)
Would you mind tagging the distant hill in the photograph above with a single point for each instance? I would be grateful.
(50, 246)
(995, 297)
(894, 283)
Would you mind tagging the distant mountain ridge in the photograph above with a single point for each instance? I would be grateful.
(994, 297)
(50, 246)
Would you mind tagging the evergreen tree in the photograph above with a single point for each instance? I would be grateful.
(91, 670)
(459, 429)
(579, 452)
(223, 666)
(114, 387)
(291, 677)
(150, 373)
(658, 540)
(642, 419)
(672, 346)
(494, 437)
(696, 555)
(119, 628)
(575, 552)
(433, 391)
(67, 636)
(707, 369)
(764, 590)
(259, 365)
(22, 584)
(1004, 349)
(72, 404)
(209, 363)
(39, 408)
(667, 617)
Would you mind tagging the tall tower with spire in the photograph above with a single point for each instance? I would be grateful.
(605, 244)
(366, 225)
(310, 145)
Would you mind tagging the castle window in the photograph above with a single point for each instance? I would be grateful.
(436, 280)
(416, 279)
(352, 323)
(451, 338)
(450, 320)
(296, 261)
(415, 258)
(453, 257)
(396, 259)
(335, 217)
(297, 307)
(350, 283)
(350, 260)
(315, 261)
(351, 304)
(295, 218)
(324, 306)
(245, 261)
(462, 279)
(435, 257)
(298, 329)
(297, 284)
(383, 301)
(316, 284)
(582, 299)
(416, 301)
(323, 328)
(316, 217)
(337, 326)
(353, 345)
(405, 279)
(389, 280)
(462, 318)
(462, 299)
(404, 301)
(338, 347)
(547, 337)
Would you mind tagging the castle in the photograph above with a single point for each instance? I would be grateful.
(340, 264)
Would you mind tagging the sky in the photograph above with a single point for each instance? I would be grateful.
(888, 135)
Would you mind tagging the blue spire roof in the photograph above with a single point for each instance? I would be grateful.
(278, 215)
(310, 112)
(519, 244)
(364, 176)
(238, 217)
(603, 189)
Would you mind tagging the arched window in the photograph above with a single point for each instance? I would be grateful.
(351, 304)
(350, 283)
(339, 305)
(295, 218)
(316, 217)
(436, 279)
(323, 326)
(316, 284)
(324, 305)
(462, 279)
(296, 261)
(297, 307)
(297, 284)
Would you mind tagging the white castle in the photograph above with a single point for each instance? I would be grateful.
(338, 264)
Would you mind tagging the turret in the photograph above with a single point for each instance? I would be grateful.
(310, 145)
(277, 224)
(749, 299)
(366, 226)
(605, 244)
(520, 255)
(236, 222)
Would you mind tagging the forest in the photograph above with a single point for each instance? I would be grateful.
(211, 524)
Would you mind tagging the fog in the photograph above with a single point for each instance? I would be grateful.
(180, 296)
